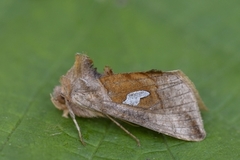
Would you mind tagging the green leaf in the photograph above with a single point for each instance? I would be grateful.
(38, 41)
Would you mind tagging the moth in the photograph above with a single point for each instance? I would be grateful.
(165, 102)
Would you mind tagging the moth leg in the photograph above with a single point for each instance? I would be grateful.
(65, 113)
(75, 122)
(119, 125)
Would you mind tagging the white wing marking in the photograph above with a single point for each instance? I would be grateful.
(133, 98)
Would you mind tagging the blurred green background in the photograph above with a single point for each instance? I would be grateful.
(38, 41)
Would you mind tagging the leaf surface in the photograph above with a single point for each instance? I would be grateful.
(40, 38)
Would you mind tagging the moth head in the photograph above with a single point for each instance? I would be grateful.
(57, 98)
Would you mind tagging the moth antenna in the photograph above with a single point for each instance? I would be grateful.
(119, 125)
(75, 122)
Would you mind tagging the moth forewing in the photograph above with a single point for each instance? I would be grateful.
(166, 102)
(175, 113)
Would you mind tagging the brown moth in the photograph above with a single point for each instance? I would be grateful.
(166, 102)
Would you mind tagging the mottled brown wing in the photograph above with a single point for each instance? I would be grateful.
(172, 106)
